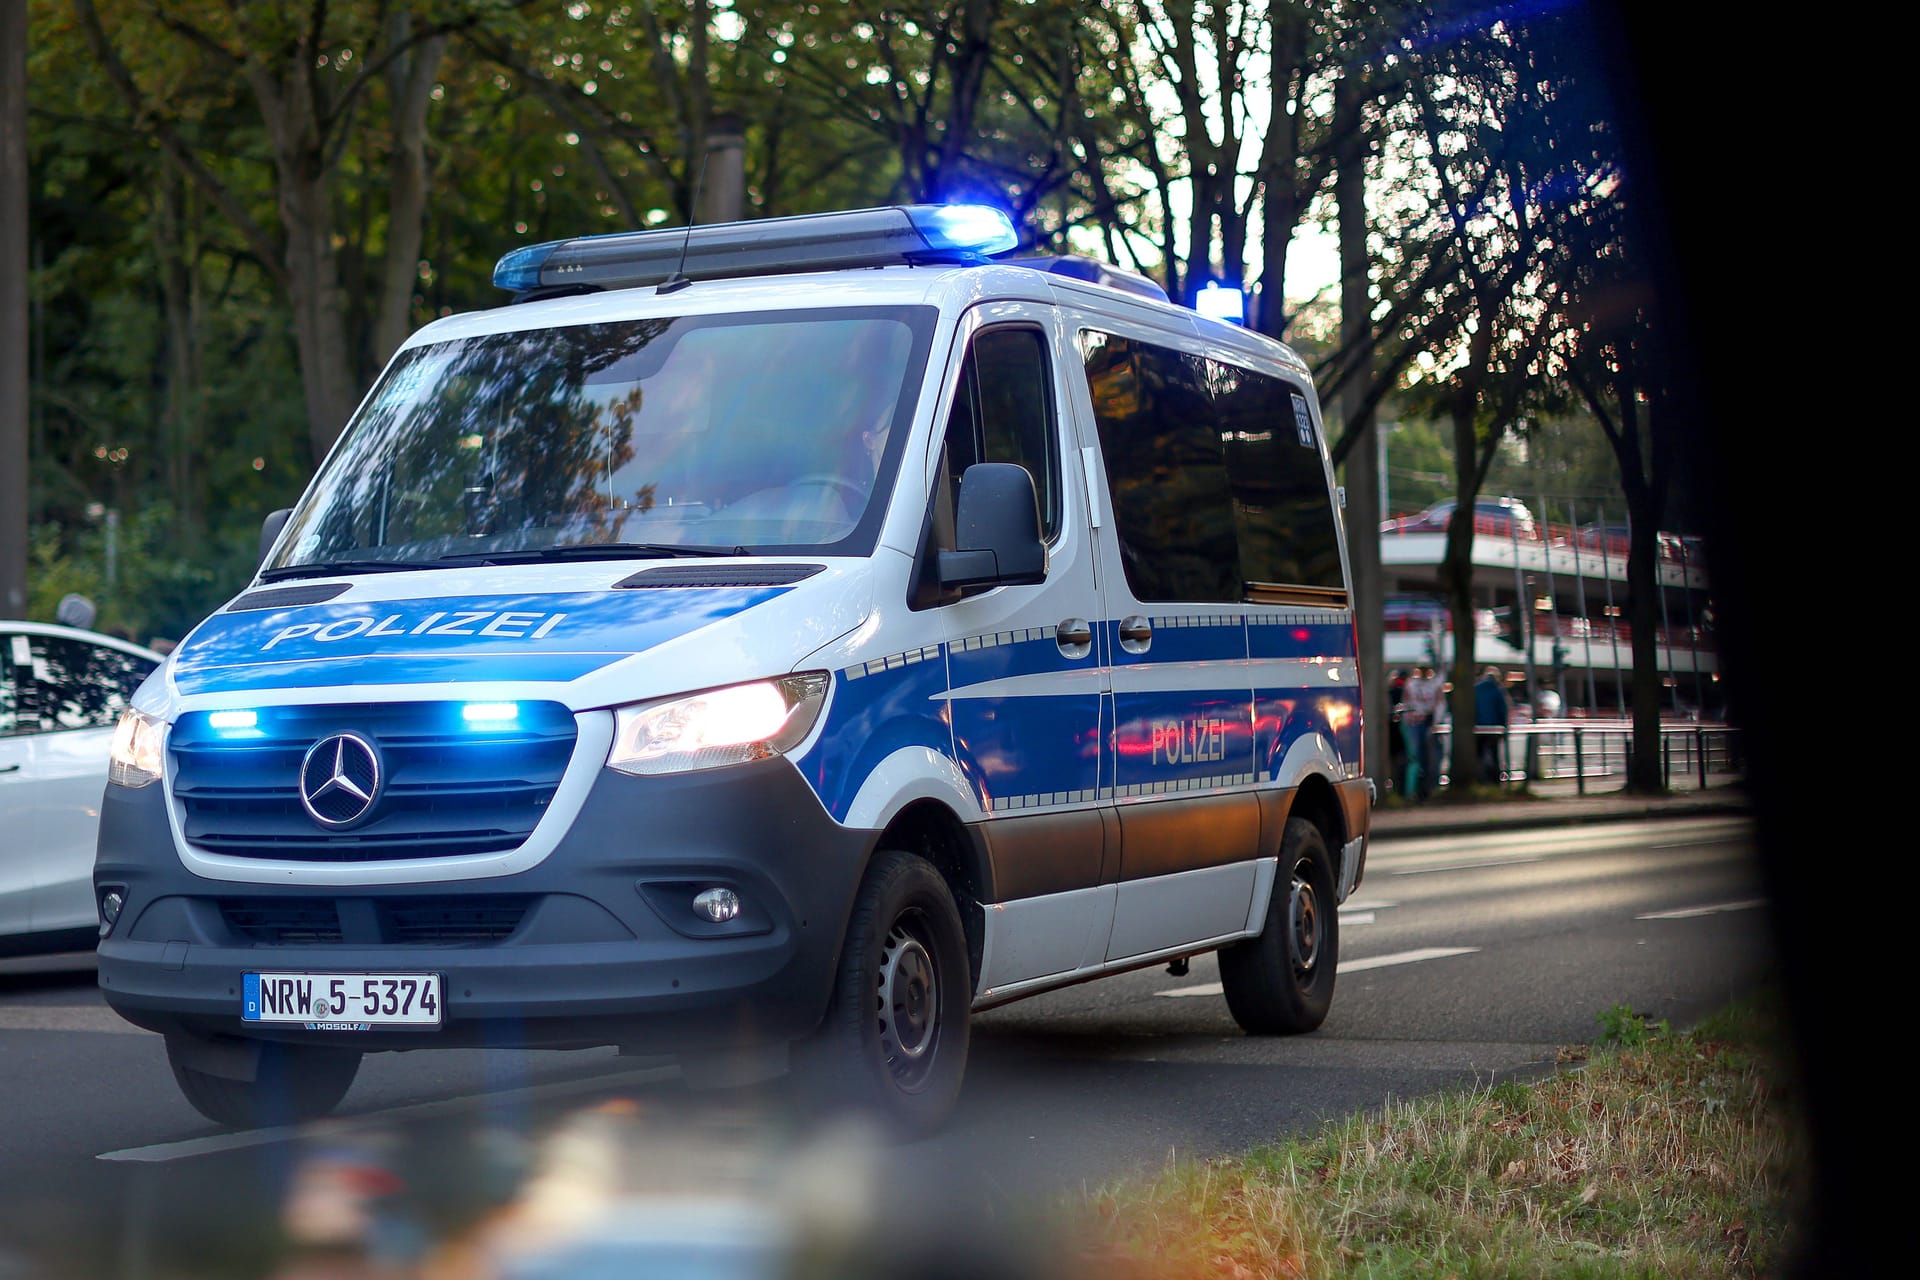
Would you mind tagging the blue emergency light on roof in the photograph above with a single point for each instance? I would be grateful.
(895, 236)
(1222, 302)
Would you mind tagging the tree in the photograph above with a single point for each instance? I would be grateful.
(1609, 348)
(1480, 113)
(311, 73)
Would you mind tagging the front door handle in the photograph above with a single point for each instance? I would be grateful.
(1075, 637)
(1136, 634)
(12, 768)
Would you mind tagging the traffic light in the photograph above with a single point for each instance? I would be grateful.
(1559, 658)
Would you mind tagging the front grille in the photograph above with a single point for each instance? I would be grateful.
(441, 922)
(448, 787)
(282, 922)
(419, 922)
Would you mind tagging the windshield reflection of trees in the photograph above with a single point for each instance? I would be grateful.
(584, 435)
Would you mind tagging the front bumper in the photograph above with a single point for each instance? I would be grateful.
(604, 948)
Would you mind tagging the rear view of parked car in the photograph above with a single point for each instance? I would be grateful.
(61, 693)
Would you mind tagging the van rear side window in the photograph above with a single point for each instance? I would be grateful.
(1217, 486)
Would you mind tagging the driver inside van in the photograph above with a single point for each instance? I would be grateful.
(841, 437)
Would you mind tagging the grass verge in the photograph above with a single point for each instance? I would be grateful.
(1662, 1154)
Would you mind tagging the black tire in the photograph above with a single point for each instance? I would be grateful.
(1280, 983)
(894, 1041)
(293, 1083)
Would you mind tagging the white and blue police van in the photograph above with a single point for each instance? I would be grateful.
(777, 638)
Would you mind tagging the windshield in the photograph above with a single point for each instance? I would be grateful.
(710, 434)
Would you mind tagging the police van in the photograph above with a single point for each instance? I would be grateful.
(779, 636)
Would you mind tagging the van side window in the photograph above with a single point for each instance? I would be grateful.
(1003, 412)
(1281, 510)
(1172, 506)
(1215, 472)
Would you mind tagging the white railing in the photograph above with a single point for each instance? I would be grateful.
(1595, 754)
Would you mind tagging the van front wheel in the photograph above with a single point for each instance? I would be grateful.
(895, 1036)
(1281, 982)
(291, 1083)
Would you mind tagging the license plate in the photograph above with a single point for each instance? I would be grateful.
(342, 1001)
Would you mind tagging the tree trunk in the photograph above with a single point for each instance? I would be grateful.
(313, 291)
(1643, 616)
(1456, 580)
(1363, 514)
(1471, 458)
(13, 309)
(410, 90)
(181, 304)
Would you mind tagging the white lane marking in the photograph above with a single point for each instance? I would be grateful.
(1689, 913)
(66, 1017)
(161, 1152)
(1355, 917)
(1466, 866)
(1367, 904)
(1403, 957)
(1575, 837)
(1708, 838)
(1345, 966)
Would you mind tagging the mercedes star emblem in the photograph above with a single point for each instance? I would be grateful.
(339, 779)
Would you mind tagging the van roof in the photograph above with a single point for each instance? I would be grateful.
(950, 288)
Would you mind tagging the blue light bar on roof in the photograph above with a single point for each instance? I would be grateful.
(1222, 302)
(900, 235)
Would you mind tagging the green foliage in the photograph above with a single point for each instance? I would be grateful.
(165, 369)
(156, 593)
(1620, 1025)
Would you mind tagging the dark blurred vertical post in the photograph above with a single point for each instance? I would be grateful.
(725, 196)
(1364, 469)
(1580, 602)
(13, 308)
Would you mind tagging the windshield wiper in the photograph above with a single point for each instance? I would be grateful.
(594, 551)
(322, 568)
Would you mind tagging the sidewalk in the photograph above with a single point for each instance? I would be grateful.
(1437, 817)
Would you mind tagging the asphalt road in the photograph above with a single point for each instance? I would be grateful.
(1463, 959)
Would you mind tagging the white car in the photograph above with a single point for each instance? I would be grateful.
(61, 693)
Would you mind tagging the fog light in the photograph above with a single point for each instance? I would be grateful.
(717, 904)
(110, 903)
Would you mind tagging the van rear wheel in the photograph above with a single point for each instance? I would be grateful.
(1281, 982)
(292, 1083)
(895, 1036)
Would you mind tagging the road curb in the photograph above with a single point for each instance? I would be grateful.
(1468, 824)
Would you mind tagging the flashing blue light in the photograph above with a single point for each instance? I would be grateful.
(966, 228)
(520, 269)
(232, 719)
(490, 713)
(1221, 303)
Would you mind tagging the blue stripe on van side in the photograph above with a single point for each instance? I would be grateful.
(872, 716)
(1036, 748)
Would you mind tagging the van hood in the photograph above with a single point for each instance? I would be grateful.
(555, 637)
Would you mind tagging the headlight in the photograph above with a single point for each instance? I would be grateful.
(134, 760)
(733, 725)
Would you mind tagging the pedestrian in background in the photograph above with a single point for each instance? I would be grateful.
(1491, 711)
(1419, 705)
(1396, 736)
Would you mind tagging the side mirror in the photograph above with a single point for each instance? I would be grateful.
(997, 525)
(270, 532)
